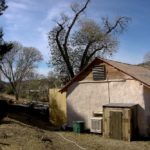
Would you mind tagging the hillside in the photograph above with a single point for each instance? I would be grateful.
(16, 135)
(146, 65)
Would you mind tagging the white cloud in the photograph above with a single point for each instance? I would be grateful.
(47, 23)
(14, 10)
(43, 32)
(29, 21)
(18, 10)
(54, 12)
(16, 5)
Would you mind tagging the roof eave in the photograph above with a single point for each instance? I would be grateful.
(99, 60)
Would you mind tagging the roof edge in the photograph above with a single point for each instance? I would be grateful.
(90, 64)
(63, 89)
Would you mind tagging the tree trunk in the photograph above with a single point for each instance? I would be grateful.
(70, 69)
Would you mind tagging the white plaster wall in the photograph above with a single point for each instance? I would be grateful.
(130, 91)
(84, 100)
(86, 97)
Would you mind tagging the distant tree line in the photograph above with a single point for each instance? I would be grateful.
(18, 64)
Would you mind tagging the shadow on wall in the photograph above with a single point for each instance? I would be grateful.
(146, 95)
(71, 89)
(57, 116)
(140, 120)
(72, 115)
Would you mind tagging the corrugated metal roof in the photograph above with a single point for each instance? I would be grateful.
(137, 72)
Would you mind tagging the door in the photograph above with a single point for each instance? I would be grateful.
(116, 125)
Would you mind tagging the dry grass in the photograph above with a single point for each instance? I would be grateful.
(15, 135)
(97, 142)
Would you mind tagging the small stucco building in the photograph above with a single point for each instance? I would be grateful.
(103, 82)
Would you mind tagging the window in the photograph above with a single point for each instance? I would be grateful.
(99, 72)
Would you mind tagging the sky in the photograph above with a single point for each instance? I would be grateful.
(29, 21)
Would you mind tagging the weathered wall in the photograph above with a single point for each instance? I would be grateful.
(85, 97)
(130, 91)
(57, 107)
(84, 100)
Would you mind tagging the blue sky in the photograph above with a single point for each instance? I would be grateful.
(29, 21)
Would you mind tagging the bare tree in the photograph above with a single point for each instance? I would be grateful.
(17, 64)
(73, 47)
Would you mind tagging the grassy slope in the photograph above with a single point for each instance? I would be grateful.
(15, 135)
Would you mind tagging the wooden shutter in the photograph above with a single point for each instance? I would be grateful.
(116, 125)
(99, 72)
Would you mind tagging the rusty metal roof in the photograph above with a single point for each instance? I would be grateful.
(137, 72)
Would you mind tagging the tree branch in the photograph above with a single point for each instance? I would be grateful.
(85, 55)
(64, 54)
(67, 36)
(11, 69)
(120, 21)
(73, 22)
(98, 49)
(57, 40)
(9, 79)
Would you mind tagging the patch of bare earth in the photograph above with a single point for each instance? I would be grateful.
(15, 135)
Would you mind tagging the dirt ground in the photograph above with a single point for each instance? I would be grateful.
(15, 135)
